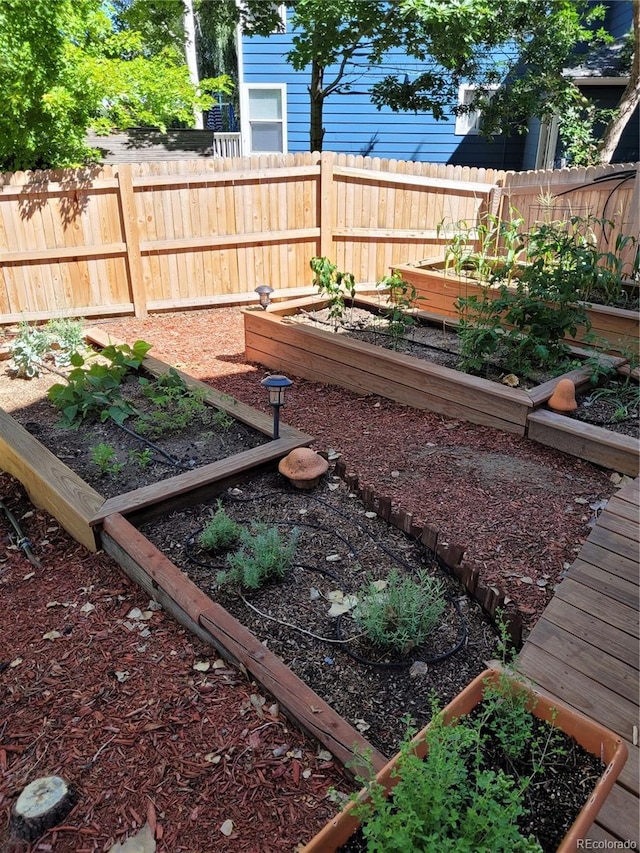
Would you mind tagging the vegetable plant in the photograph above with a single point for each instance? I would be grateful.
(403, 298)
(335, 285)
(95, 389)
(57, 340)
(401, 612)
(104, 456)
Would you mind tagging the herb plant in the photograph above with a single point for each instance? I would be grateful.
(402, 614)
(262, 557)
(335, 285)
(456, 799)
(142, 458)
(220, 532)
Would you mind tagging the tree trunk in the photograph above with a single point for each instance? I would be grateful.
(629, 100)
(40, 806)
(316, 130)
(190, 54)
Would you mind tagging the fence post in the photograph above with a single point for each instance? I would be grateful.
(131, 239)
(327, 159)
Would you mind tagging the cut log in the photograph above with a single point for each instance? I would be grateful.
(40, 806)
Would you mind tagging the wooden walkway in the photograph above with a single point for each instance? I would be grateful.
(585, 649)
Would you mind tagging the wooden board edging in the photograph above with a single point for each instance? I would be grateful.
(611, 450)
(148, 567)
(167, 491)
(49, 483)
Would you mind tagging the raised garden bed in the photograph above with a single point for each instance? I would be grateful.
(308, 676)
(79, 506)
(441, 289)
(276, 339)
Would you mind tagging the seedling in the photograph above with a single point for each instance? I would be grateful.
(104, 456)
(337, 286)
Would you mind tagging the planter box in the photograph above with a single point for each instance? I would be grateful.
(440, 290)
(272, 339)
(79, 508)
(620, 453)
(590, 735)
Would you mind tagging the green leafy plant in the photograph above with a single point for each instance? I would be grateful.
(623, 398)
(335, 285)
(104, 456)
(404, 299)
(95, 390)
(175, 405)
(142, 458)
(455, 798)
(57, 340)
(262, 557)
(220, 532)
(491, 249)
(401, 612)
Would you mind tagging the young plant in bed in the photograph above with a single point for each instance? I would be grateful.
(220, 532)
(401, 612)
(400, 313)
(95, 390)
(263, 556)
(335, 285)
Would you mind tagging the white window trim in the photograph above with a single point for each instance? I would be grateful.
(245, 127)
(468, 124)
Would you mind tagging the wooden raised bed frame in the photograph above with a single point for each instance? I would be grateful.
(53, 486)
(271, 338)
(441, 290)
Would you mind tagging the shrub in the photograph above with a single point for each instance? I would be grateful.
(220, 532)
(402, 614)
(262, 557)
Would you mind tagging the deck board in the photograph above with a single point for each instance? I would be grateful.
(584, 648)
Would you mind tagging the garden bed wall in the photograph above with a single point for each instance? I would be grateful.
(273, 339)
(440, 292)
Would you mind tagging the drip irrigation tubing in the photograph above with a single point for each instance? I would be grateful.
(23, 541)
(176, 463)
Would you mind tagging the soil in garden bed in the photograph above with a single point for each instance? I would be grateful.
(340, 548)
(114, 461)
(440, 345)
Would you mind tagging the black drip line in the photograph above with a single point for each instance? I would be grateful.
(462, 635)
(171, 460)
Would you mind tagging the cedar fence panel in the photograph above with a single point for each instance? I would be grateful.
(165, 235)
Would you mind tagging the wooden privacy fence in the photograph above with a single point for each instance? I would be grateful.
(134, 238)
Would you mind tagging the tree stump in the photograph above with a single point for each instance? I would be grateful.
(41, 805)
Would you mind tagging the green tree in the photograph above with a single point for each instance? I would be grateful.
(65, 67)
(512, 52)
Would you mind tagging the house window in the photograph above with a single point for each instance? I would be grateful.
(469, 124)
(264, 123)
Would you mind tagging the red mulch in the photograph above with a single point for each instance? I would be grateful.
(123, 714)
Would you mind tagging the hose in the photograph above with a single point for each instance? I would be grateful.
(23, 541)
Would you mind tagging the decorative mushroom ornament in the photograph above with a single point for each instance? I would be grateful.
(303, 467)
(563, 398)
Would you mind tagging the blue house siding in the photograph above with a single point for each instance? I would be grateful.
(353, 125)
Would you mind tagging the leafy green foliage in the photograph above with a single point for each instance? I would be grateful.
(403, 613)
(65, 68)
(58, 339)
(142, 458)
(95, 390)
(490, 249)
(175, 405)
(335, 285)
(220, 532)
(400, 314)
(104, 456)
(454, 799)
(262, 557)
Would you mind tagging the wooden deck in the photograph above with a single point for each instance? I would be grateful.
(585, 649)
